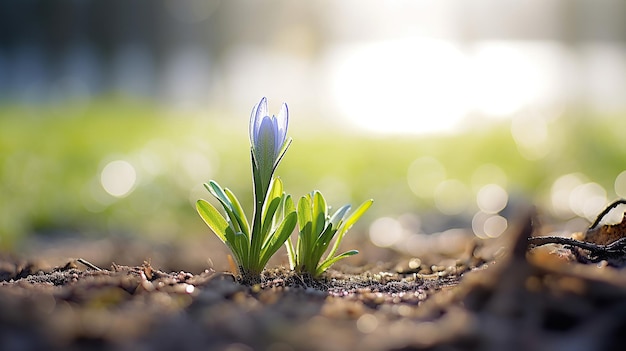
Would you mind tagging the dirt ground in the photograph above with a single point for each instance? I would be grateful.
(493, 296)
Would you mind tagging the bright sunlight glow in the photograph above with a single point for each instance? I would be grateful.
(398, 85)
(429, 86)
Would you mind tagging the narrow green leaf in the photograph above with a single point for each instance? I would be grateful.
(242, 244)
(318, 214)
(289, 207)
(212, 218)
(217, 191)
(329, 262)
(338, 216)
(304, 210)
(322, 243)
(220, 194)
(259, 197)
(275, 190)
(278, 217)
(305, 224)
(302, 246)
(269, 208)
(278, 238)
(268, 219)
(357, 213)
(238, 212)
(348, 223)
(222, 229)
(291, 254)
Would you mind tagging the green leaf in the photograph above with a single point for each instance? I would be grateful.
(291, 254)
(319, 214)
(322, 243)
(302, 245)
(217, 191)
(329, 262)
(242, 245)
(305, 224)
(278, 238)
(220, 194)
(289, 207)
(223, 230)
(304, 212)
(275, 191)
(348, 223)
(270, 206)
(356, 215)
(268, 219)
(212, 218)
(337, 218)
(285, 207)
(238, 212)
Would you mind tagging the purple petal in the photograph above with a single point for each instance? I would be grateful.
(258, 112)
(253, 124)
(261, 111)
(282, 121)
(265, 145)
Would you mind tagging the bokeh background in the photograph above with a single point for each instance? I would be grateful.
(453, 115)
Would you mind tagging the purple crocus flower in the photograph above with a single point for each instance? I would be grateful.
(268, 136)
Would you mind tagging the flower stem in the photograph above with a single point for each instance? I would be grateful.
(256, 237)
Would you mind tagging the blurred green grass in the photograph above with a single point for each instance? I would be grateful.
(52, 157)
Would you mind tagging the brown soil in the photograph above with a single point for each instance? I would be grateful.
(484, 300)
